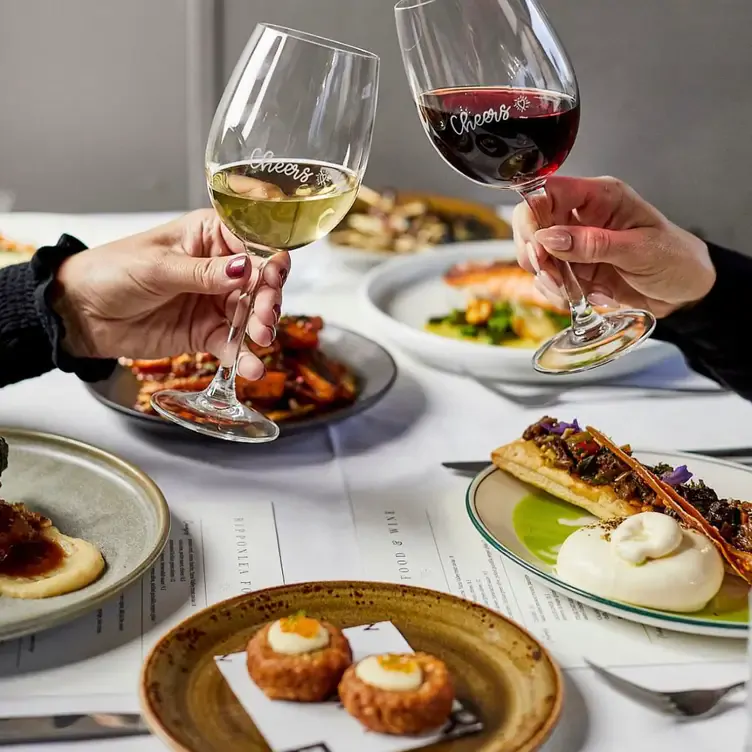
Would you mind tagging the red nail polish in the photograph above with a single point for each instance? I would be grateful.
(236, 268)
(282, 276)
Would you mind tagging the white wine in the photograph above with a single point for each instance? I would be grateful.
(281, 204)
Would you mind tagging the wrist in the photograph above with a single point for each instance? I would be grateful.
(706, 277)
(76, 341)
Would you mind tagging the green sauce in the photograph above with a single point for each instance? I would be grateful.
(543, 523)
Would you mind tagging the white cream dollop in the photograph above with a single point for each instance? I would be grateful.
(649, 535)
(393, 673)
(290, 642)
(644, 562)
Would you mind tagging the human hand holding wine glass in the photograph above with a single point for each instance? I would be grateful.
(285, 157)
(499, 101)
(622, 249)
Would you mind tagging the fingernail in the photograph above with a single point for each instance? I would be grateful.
(282, 276)
(273, 330)
(554, 240)
(600, 300)
(235, 269)
(548, 282)
(532, 257)
(277, 312)
(552, 297)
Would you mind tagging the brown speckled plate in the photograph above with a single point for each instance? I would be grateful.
(498, 668)
(90, 494)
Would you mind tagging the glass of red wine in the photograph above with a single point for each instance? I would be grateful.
(498, 99)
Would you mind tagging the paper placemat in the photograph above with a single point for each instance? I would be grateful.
(327, 726)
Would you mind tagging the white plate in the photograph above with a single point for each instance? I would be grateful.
(400, 296)
(499, 506)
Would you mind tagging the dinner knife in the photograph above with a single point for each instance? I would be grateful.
(742, 452)
(66, 728)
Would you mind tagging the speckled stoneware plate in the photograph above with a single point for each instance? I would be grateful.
(498, 669)
(528, 526)
(90, 494)
(372, 365)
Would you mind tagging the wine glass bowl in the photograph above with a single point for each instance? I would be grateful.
(285, 157)
(498, 99)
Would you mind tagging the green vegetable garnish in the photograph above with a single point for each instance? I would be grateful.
(562, 320)
(469, 330)
(456, 317)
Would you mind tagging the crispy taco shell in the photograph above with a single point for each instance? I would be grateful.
(739, 561)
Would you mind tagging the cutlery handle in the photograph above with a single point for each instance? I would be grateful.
(71, 727)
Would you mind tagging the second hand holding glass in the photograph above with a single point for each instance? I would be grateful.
(499, 101)
(285, 157)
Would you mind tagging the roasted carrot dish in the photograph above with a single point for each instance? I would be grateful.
(300, 380)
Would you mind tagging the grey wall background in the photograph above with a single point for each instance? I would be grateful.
(101, 100)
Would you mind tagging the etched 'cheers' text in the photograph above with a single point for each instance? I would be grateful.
(264, 161)
(464, 121)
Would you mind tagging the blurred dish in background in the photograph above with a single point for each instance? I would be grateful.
(401, 296)
(503, 307)
(12, 252)
(383, 225)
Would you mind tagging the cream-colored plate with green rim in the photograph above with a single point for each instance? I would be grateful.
(498, 669)
(87, 493)
(528, 526)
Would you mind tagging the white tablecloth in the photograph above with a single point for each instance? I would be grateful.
(396, 448)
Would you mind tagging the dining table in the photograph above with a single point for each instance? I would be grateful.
(328, 504)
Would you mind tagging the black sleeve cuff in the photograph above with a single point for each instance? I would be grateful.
(710, 333)
(24, 347)
(44, 265)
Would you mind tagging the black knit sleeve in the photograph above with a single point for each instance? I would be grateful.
(714, 333)
(31, 332)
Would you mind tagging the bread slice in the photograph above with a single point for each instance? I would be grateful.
(523, 459)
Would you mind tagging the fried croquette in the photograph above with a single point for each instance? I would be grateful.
(398, 694)
(298, 658)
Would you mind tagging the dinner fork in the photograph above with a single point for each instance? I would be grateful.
(690, 703)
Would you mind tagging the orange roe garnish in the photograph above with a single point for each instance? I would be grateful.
(392, 662)
(300, 624)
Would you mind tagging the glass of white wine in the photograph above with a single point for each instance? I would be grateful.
(285, 158)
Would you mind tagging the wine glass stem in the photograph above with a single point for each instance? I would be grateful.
(221, 391)
(587, 323)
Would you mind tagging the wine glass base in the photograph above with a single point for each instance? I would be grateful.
(235, 422)
(622, 331)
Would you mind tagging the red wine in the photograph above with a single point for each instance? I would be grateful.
(501, 136)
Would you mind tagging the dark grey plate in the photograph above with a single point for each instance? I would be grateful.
(90, 494)
(373, 366)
